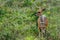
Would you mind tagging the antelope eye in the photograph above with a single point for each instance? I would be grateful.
(39, 12)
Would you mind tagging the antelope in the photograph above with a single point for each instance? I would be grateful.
(42, 20)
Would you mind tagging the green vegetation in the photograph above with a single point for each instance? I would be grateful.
(18, 20)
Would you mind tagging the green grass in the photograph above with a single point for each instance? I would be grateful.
(18, 20)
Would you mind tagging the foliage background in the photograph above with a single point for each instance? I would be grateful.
(18, 20)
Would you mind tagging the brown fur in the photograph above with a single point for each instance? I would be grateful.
(46, 20)
(46, 23)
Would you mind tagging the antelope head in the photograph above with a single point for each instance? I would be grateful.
(40, 12)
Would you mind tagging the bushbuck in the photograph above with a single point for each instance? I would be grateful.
(42, 20)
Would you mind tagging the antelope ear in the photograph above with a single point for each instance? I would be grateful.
(43, 9)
